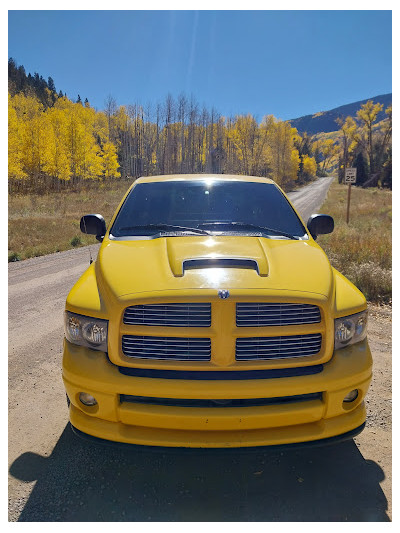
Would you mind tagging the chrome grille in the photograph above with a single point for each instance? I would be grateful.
(174, 314)
(256, 314)
(171, 348)
(254, 348)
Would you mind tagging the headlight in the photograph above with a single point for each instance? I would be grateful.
(86, 331)
(350, 329)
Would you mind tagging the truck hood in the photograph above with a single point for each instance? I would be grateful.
(130, 267)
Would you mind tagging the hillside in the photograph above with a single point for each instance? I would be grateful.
(33, 85)
(325, 121)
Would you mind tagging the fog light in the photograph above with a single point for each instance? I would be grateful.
(351, 396)
(87, 399)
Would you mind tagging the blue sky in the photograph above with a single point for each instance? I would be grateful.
(285, 63)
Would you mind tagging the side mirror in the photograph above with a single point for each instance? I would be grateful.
(93, 225)
(320, 224)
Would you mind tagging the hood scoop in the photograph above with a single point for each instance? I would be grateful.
(212, 252)
(220, 262)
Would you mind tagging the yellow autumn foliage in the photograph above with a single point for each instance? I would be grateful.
(67, 140)
(309, 165)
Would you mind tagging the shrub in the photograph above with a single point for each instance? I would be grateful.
(75, 241)
(13, 256)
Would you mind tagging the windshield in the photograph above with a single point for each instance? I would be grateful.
(213, 206)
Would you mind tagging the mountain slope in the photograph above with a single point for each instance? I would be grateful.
(324, 121)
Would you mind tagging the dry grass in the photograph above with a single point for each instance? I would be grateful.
(361, 250)
(43, 224)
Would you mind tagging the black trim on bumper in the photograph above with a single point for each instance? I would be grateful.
(219, 403)
(221, 374)
(250, 449)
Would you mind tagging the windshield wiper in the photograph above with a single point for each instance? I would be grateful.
(166, 227)
(252, 226)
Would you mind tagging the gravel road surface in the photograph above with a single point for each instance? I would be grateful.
(309, 199)
(53, 476)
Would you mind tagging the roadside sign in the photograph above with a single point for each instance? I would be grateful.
(350, 175)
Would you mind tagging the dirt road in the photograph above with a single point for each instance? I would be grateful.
(309, 199)
(56, 477)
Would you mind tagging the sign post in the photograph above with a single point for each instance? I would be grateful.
(350, 176)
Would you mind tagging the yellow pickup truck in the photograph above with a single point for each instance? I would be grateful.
(212, 319)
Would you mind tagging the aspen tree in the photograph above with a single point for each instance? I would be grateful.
(15, 143)
(368, 115)
(110, 161)
(57, 164)
(329, 150)
(309, 166)
(348, 129)
(383, 143)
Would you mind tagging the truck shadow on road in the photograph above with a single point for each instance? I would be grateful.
(89, 482)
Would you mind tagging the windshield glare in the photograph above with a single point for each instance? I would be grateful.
(212, 205)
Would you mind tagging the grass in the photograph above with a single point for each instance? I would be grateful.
(43, 224)
(362, 249)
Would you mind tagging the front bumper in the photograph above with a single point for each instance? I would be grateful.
(85, 370)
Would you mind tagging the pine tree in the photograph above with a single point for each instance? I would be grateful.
(12, 76)
(21, 79)
(50, 85)
(12, 67)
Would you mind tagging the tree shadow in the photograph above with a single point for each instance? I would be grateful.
(82, 481)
